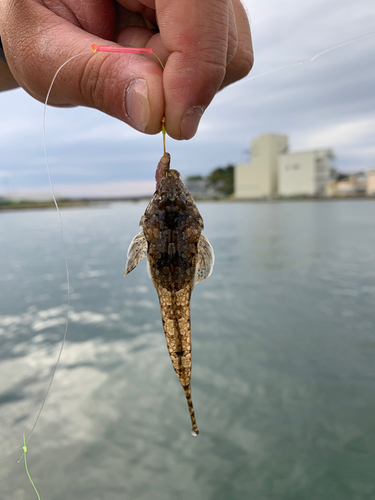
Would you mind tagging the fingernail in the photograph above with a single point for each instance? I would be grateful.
(190, 121)
(137, 105)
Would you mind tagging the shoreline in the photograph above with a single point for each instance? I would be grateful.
(84, 203)
(41, 205)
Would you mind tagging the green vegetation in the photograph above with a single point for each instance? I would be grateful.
(31, 204)
(223, 179)
(194, 178)
(220, 180)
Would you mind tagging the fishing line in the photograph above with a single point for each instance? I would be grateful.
(64, 254)
(163, 131)
(95, 48)
(311, 59)
(26, 468)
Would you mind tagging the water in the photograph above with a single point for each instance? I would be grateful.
(283, 358)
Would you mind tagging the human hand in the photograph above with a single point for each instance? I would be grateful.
(204, 45)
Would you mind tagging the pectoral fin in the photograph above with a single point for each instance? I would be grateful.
(136, 251)
(206, 259)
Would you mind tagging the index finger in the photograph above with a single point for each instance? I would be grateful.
(195, 33)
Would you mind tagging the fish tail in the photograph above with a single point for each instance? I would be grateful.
(194, 426)
(175, 313)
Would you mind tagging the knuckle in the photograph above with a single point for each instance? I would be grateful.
(245, 62)
(97, 83)
(90, 89)
(213, 65)
(233, 44)
(215, 72)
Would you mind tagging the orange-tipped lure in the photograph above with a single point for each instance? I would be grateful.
(123, 50)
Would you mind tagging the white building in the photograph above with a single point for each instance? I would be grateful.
(273, 171)
(304, 173)
(258, 179)
(371, 182)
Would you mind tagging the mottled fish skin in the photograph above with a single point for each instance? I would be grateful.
(178, 256)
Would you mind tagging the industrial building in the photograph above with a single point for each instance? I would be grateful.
(258, 179)
(275, 172)
(304, 173)
(347, 185)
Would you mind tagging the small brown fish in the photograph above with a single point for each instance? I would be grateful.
(178, 256)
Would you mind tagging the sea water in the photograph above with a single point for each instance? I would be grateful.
(283, 379)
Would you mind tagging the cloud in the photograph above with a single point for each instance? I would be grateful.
(327, 102)
(339, 132)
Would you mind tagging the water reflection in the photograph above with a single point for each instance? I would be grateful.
(283, 359)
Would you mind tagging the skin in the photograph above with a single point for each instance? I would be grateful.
(205, 45)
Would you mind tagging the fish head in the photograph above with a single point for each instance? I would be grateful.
(171, 186)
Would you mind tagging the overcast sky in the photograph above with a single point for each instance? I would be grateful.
(329, 102)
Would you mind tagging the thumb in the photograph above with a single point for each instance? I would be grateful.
(126, 86)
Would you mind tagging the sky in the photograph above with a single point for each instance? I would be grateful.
(325, 103)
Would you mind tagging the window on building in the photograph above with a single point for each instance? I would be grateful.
(292, 166)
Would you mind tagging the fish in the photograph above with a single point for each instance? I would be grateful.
(178, 257)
